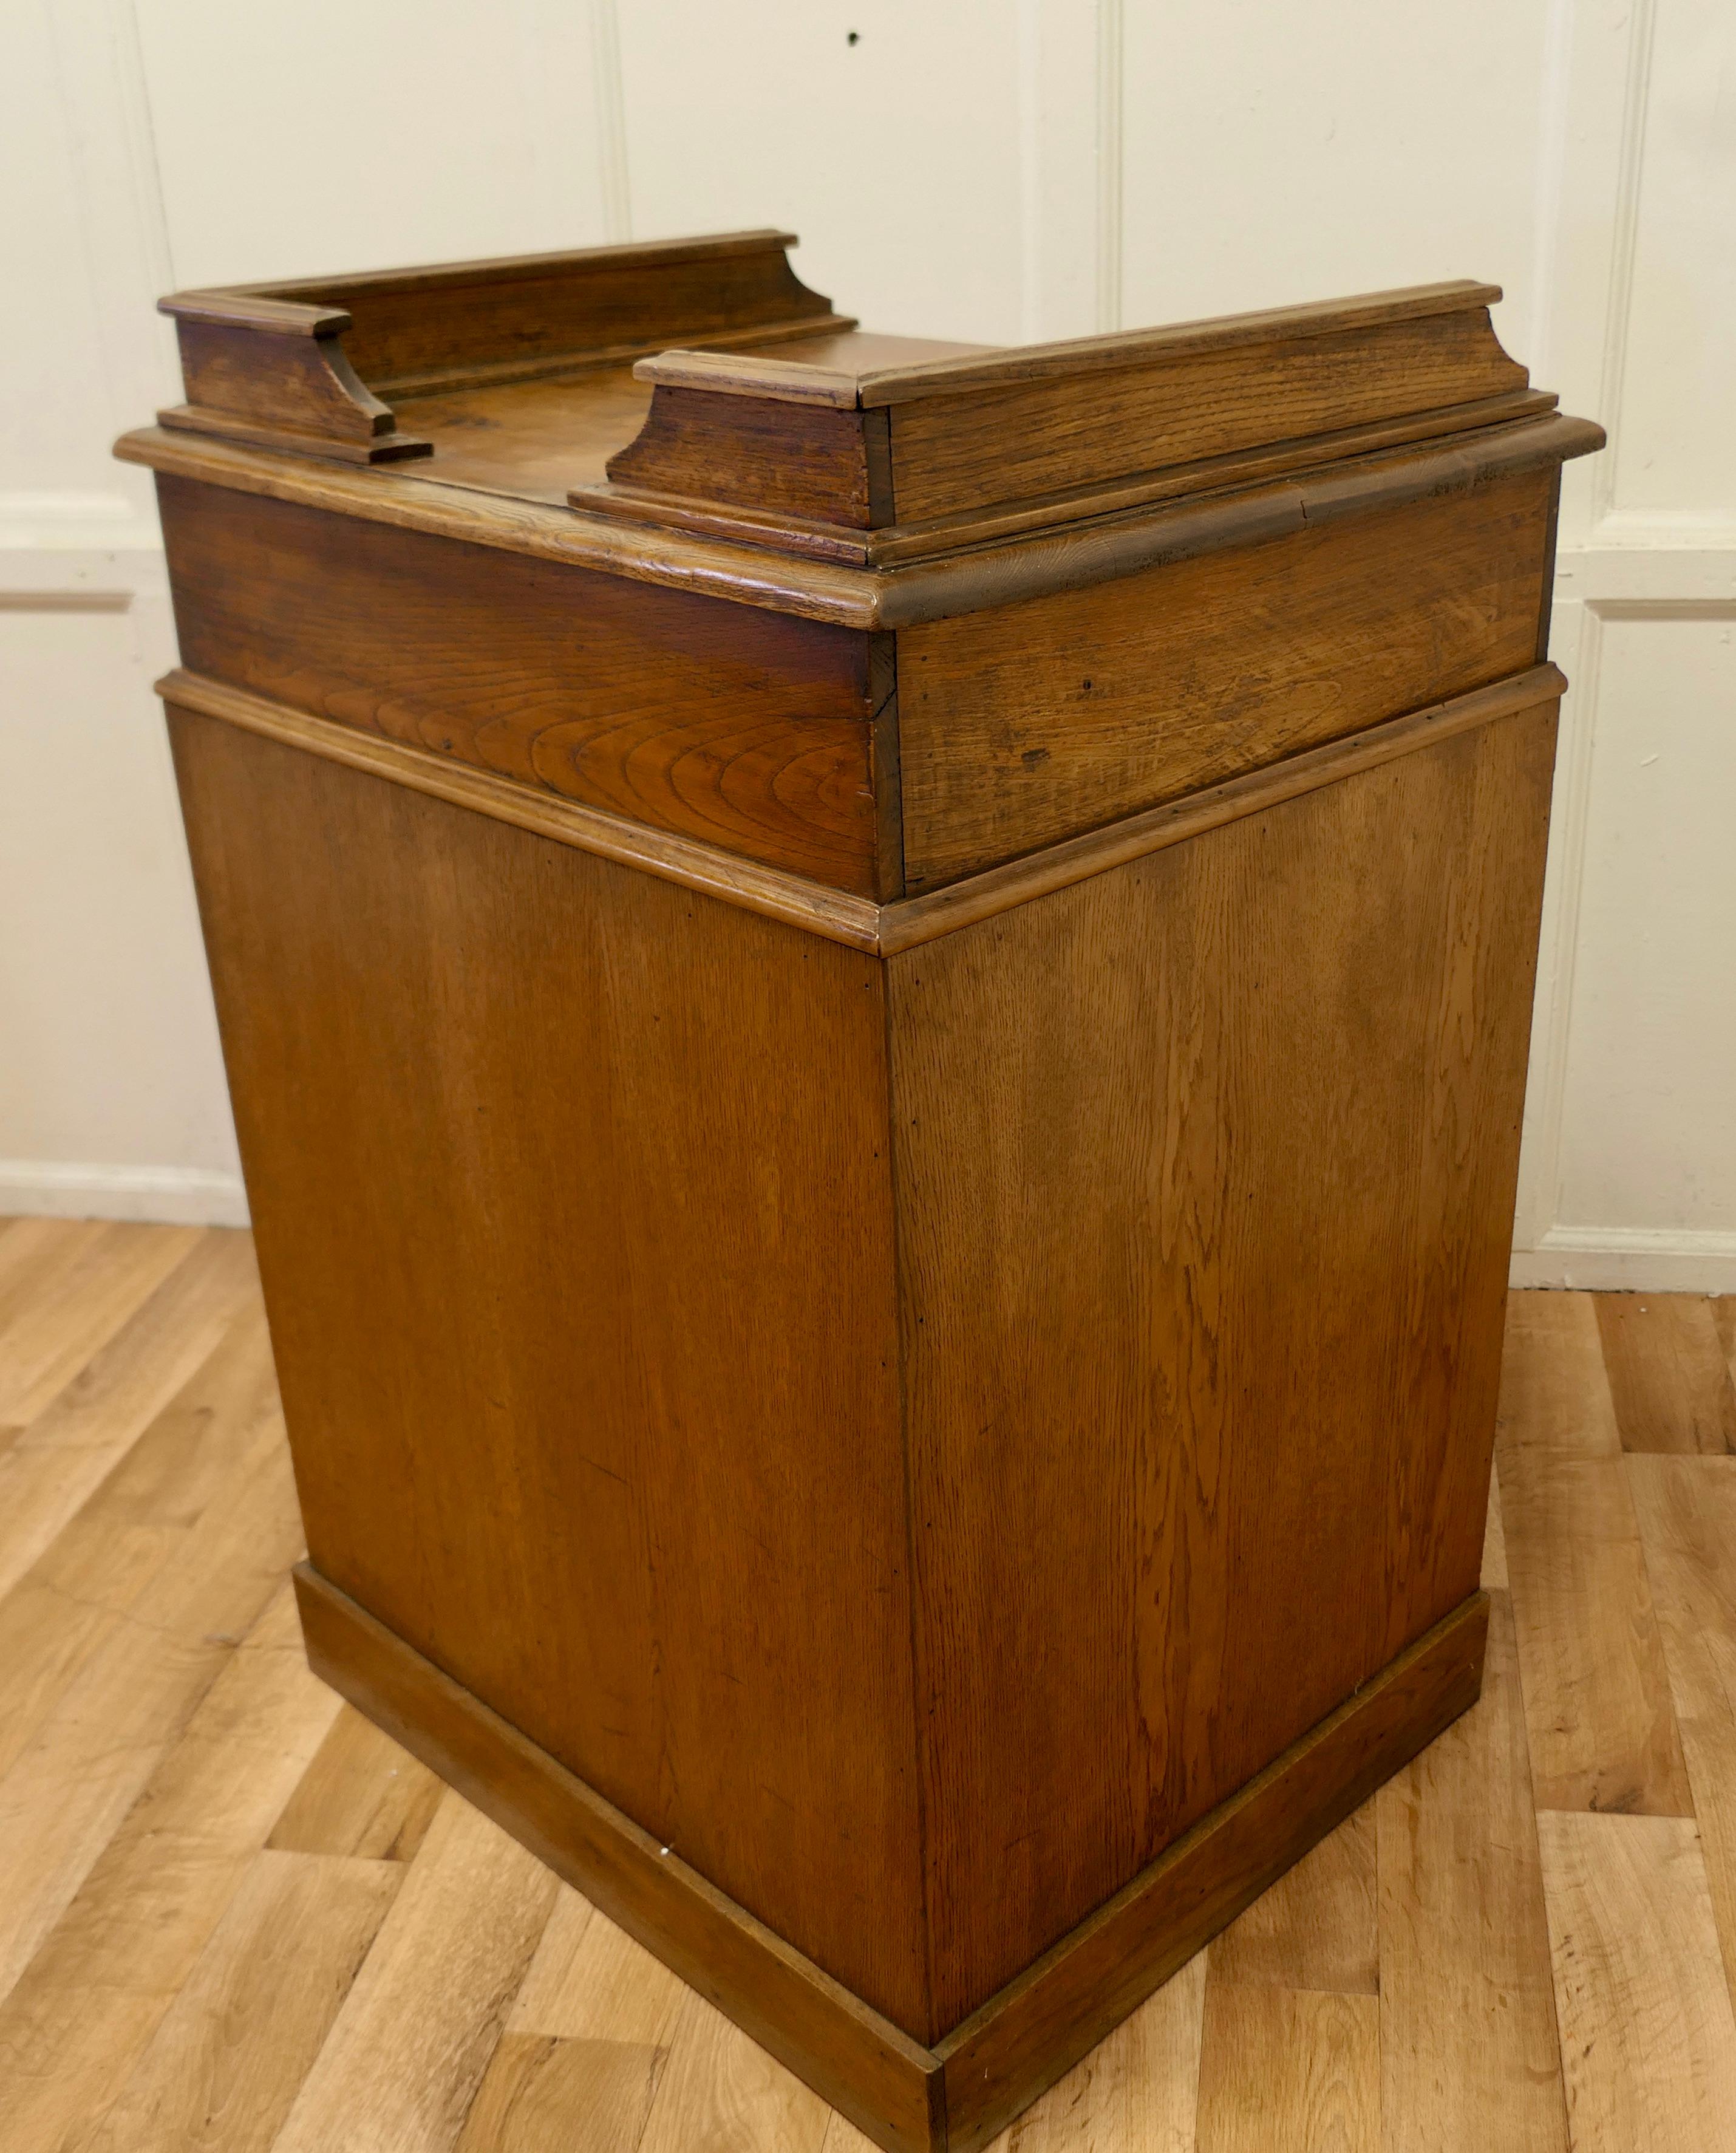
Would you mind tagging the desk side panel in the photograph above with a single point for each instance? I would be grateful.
(1029, 723)
(748, 729)
(573, 1206)
(1206, 1172)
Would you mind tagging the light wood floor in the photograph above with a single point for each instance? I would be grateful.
(234, 1917)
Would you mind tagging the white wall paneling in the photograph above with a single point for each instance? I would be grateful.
(969, 169)
(1629, 1169)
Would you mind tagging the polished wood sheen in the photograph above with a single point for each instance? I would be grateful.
(638, 1390)
(1066, 1077)
(1116, 697)
(738, 726)
(876, 995)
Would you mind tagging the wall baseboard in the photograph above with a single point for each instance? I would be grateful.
(164, 1195)
(1629, 1260)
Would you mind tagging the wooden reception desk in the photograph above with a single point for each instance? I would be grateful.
(877, 996)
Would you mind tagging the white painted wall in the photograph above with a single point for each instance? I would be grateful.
(991, 169)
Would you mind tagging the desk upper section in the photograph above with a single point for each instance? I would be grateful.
(689, 412)
(1120, 574)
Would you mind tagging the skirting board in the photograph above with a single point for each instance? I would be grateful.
(955, 2097)
(1629, 1260)
(160, 1195)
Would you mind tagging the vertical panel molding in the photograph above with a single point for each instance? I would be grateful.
(1111, 76)
(614, 171)
(1624, 244)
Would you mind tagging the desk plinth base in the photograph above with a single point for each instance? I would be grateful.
(955, 2097)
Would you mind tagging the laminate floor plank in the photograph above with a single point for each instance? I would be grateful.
(543, 2094)
(35, 1256)
(1285, 2070)
(591, 1982)
(1137, 2092)
(409, 2048)
(1494, 1577)
(60, 1460)
(1317, 1928)
(105, 1975)
(83, 1768)
(1601, 1724)
(144, 1518)
(1687, 1509)
(1668, 1373)
(1468, 2049)
(229, 2054)
(1648, 2043)
(363, 1794)
(1555, 1391)
(719, 2093)
(51, 1338)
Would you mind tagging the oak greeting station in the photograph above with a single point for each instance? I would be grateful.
(877, 997)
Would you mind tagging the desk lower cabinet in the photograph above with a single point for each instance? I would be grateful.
(876, 994)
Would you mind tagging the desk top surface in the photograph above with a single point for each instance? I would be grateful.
(540, 440)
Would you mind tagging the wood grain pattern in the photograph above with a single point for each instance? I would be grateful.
(1137, 2091)
(1554, 1387)
(1603, 1734)
(777, 458)
(87, 1763)
(1083, 359)
(1020, 2042)
(1597, 1702)
(529, 527)
(64, 1454)
(1024, 726)
(35, 1254)
(362, 1796)
(1680, 1330)
(415, 2032)
(1044, 2021)
(859, 2060)
(511, 318)
(822, 1417)
(591, 1982)
(71, 2032)
(1316, 1928)
(295, 391)
(991, 444)
(1286, 2070)
(717, 721)
(722, 2093)
(230, 2054)
(1687, 1511)
(1065, 1078)
(513, 514)
(853, 921)
(115, 1560)
(914, 920)
(654, 1417)
(1494, 1543)
(1468, 2052)
(1648, 2043)
(1444, 450)
(536, 2089)
(108, 1275)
